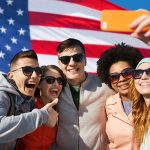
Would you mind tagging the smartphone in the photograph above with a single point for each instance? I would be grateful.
(119, 20)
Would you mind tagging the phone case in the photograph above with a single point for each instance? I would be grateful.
(119, 20)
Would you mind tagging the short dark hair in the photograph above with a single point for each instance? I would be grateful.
(70, 43)
(23, 54)
(120, 52)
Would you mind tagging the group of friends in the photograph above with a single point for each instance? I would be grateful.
(66, 108)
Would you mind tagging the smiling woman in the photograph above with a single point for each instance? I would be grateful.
(140, 93)
(50, 87)
(115, 67)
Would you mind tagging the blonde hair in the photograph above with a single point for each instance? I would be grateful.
(140, 113)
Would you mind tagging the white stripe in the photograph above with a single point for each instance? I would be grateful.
(63, 8)
(52, 59)
(86, 36)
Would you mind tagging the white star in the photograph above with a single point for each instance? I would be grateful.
(1, 11)
(14, 40)
(8, 47)
(11, 21)
(20, 12)
(24, 49)
(3, 30)
(2, 54)
(9, 2)
(21, 31)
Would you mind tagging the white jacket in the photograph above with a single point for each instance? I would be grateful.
(83, 129)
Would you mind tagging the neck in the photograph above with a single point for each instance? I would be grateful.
(74, 82)
(124, 98)
(147, 101)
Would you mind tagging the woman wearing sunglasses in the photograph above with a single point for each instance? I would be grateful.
(115, 69)
(140, 94)
(50, 87)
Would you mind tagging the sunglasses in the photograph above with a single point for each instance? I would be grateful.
(27, 71)
(51, 80)
(126, 73)
(76, 58)
(137, 74)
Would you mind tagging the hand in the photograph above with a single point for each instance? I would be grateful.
(140, 23)
(53, 115)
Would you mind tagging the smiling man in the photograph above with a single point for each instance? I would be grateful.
(81, 106)
(16, 100)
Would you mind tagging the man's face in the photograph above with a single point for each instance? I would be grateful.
(73, 70)
(25, 84)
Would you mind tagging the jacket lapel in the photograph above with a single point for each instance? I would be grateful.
(119, 112)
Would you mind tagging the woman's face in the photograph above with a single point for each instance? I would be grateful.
(143, 84)
(50, 91)
(120, 82)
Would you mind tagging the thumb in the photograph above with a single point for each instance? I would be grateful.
(54, 102)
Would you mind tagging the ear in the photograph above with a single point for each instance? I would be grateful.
(10, 75)
(59, 62)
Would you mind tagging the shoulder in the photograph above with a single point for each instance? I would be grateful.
(92, 80)
(111, 103)
(112, 100)
(92, 76)
(5, 102)
(3, 95)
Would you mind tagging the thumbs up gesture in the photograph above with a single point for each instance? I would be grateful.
(52, 114)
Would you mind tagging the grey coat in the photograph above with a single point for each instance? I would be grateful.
(15, 118)
(83, 129)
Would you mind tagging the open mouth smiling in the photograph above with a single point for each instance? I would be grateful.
(30, 85)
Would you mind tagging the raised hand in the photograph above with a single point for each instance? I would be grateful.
(139, 24)
(53, 115)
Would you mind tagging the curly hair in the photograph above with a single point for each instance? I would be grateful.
(120, 52)
(140, 114)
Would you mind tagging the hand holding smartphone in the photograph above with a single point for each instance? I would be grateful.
(119, 20)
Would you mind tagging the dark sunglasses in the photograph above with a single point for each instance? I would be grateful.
(126, 73)
(51, 80)
(27, 70)
(76, 58)
(137, 74)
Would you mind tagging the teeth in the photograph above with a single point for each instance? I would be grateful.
(143, 84)
(73, 70)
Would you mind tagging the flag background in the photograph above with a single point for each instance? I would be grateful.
(42, 24)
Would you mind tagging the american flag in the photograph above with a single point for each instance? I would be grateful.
(42, 24)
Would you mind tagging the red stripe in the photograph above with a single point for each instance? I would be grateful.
(95, 4)
(49, 47)
(54, 20)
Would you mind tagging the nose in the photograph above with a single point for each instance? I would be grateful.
(56, 83)
(71, 62)
(121, 78)
(34, 74)
(144, 75)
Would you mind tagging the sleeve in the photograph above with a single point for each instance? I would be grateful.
(13, 127)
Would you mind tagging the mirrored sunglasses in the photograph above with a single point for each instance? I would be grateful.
(126, 73)
(27, 70)
(137, 74)
(51, 80)
(76, 58)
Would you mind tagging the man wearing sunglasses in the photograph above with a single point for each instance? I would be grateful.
(81, 106)
(17, 116)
